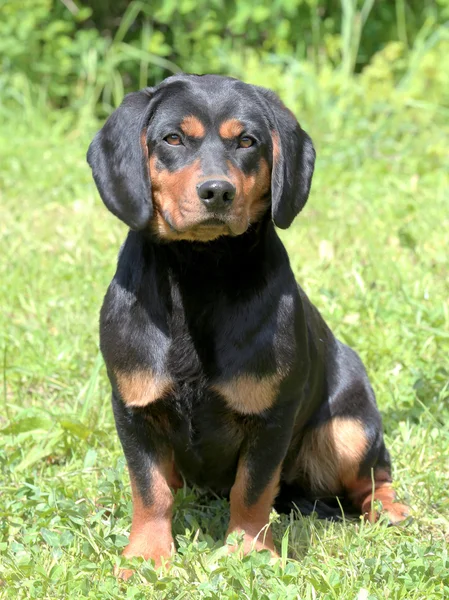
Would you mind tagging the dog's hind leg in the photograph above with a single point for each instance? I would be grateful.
(345, 456)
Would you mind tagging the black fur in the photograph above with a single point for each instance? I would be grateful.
(119, 162)
(292, 173)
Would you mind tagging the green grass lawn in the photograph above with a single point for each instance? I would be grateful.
(370, 249)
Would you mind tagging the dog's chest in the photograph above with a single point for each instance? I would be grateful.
(235, 349)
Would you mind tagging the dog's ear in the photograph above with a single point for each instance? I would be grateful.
(118, 156)
(293, 161)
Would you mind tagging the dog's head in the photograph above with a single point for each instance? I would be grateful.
(198, 157)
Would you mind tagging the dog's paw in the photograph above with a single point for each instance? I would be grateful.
(159, 551)
(396, 513)
(124, 574)
(263, 540)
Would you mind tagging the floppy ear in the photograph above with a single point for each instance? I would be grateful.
(293, 162)
(118, 157)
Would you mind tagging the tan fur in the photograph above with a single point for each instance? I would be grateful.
(140, 388)
(365, 493)
(151, 534)
(248, 394)
(178, 211)
(253, 519)
(330, 459)
(331, 454)
(276, 146)
(251, 199)
(230, 129)
(192, 127)
(176, 203)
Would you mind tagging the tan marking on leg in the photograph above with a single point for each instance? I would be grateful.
(231, 128)
(140, 388)
(192, 127)
(248, 394)
(253, 519)
(330, 458)
(331, 454)
(151, 534)
(363, 493)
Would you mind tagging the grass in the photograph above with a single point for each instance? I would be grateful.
(371, 251)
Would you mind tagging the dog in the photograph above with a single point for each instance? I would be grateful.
(222, 370)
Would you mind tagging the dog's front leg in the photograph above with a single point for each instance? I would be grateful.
(251, 514)
(150, 464)
(257, 481)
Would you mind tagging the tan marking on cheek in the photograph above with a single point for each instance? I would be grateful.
(192, 127)
(174, 193)
(253, 519)
(141, 388)
(230, 129)
(151, 534)
(248, 394)
(251, 199)
(257, 193)
(332, 453)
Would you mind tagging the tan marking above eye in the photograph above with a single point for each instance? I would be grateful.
(248, 394)
(193, 127)
(230, 129)
(141, 388)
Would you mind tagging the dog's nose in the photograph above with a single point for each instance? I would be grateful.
(216, 194)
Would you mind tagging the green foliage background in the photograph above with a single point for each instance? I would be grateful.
(88, 56)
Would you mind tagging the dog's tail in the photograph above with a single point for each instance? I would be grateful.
(294, 498)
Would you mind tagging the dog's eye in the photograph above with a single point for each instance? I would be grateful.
(246, 141)
(173, 139)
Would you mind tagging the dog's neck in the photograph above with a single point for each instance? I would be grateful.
(222, 253)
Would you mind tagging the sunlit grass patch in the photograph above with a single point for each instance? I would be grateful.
(370, 249)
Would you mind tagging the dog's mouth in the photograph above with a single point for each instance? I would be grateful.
(212, 222)
(203, 223)
(222, 225)
(205, 229)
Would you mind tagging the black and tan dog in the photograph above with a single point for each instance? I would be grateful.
(222, 370)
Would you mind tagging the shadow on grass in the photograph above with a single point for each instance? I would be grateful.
(204, 517)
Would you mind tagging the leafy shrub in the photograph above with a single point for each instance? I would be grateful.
(86, 58)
